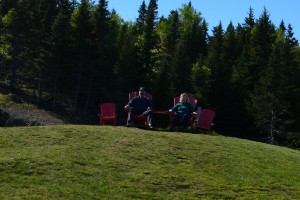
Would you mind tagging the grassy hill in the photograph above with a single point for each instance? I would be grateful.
(93, 162)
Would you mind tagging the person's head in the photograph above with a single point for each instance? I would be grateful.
(183, 98)
(141, 91)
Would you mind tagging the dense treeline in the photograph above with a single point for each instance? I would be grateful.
(80, 54)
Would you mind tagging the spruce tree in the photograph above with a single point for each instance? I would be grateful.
(149, 42)
(127, 67)
(284, 61)
(262, 38)
(102, 72)
(240, 80)
(261, 74)
(61, 53)
(188, 49)
(82, 28)
(140, 21)
(214, 61)
(168, 30)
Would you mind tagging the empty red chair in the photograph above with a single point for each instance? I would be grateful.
(108, 114)
(205, 120)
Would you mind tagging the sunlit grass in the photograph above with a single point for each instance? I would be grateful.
(93, 162)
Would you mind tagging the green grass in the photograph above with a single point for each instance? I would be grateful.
(93, 162)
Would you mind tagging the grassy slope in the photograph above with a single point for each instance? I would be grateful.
(93, 162)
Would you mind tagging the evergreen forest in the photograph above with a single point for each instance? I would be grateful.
(78, 54)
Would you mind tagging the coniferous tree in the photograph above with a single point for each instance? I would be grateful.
(100, 75)
(14, 33)
(286, 72)
(10, 45)
(127, 67)
(264, 105)
(260, 73)
(203, 41)
(187, 49)
(61, 53)
(4, 47)
(222, 89)
(140, 21)
(111, 50)
(169, 36)
(214, 61)
(200, 72)
(36, 49)
(292, 84)
(240, 80)
(262, 38)
(190, 29)
(149, 42)
(130, 67)
(243, 46)
(82, 26)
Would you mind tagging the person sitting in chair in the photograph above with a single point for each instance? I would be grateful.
(139, 105)
(183, 112)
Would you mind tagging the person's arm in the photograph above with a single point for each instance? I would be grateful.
(130, 103)
(174, 108)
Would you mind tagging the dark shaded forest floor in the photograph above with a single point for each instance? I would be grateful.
(31, 116)
(18, 113)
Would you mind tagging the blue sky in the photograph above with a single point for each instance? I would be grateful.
(214, 11)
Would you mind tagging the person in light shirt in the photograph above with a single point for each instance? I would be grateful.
(183, 111)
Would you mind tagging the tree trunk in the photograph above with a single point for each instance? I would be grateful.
(89, 92)
(77, 89)
(55, 87)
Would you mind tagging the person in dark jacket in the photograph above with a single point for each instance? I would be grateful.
(139, 105)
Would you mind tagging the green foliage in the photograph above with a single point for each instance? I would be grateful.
(8, 19)
(12, 100)
(5, 48)
(92, 162)
(201, 76)
(290, 139)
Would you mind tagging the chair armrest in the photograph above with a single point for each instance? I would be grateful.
(193, 116)
(170, 112)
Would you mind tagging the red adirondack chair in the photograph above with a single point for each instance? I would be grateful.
(192, 101)
(205, 120)
(136, 93)
(108, 114)
(140, 118)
